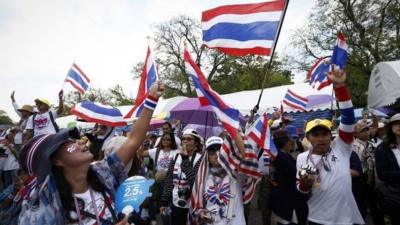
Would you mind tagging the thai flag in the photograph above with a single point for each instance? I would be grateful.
(339, 56)
(208, 97)
(260, 133)
(295, 101)
(98, 113)
(317, 75)
(244, 28)
(148, 77)
(78, 79)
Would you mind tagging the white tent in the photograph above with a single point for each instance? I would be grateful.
(244, 101)
(384, 84)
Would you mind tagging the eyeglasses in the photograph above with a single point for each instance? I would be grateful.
(187, 139)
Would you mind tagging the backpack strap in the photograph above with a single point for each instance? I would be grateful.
(33, 124)
(53, 122)
(156, 158)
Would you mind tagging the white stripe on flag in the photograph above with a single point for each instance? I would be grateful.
(242, 18)
(346, 128)
(230, 43)
(345, 104)
(95, 115)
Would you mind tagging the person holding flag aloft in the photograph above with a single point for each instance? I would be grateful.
(323, 171)
(223, 184)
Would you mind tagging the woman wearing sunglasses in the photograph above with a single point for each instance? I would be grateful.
(86, 188)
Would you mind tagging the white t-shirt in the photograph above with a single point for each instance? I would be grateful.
(10, 162)
(43, 124)
(164, 158)
(396, 152)
(333, 201)
(102, 208)
(218, 195)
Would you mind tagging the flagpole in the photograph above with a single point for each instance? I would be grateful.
(272, 54)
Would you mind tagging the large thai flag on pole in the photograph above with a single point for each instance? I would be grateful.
(148, 77)
(244, 28)
(208, 97)
(78, 79)
(295, 101)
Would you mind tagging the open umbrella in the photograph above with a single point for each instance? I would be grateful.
(156, 123)
(98, 113)
(190, 111)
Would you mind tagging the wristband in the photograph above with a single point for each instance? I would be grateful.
(150, 102)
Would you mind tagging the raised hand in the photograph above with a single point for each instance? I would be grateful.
(12, 96)
(337, 76)
(61, 94)
(157, 89)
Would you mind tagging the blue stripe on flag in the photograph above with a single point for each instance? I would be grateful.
(151, 77)
(295, 100)
(101, 110)
(242, 32)
(339, 57)
(347, 116)
(78, 78)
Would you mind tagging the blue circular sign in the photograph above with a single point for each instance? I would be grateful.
(132, 193)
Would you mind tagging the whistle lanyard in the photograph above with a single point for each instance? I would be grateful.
(93, 203)
(320, 163)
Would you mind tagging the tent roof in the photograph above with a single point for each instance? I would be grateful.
(272, 97)
(384, 84)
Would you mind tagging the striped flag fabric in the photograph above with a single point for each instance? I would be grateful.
(260, 133)
(294, 100)
(78, 79)
(243, 29)
(339, 56)
(98, 113)
(228, 116)
(317, 75)
(148, 77)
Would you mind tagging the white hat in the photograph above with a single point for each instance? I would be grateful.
(214, 140)
(192, 132)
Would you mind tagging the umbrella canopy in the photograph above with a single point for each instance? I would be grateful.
(205, 131)
(156, 123)
(190, 111)
(98, 113)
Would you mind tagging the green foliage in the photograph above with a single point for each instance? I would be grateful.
(4, 119)
(372, 29)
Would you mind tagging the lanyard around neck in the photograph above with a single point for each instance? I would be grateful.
(93, 202)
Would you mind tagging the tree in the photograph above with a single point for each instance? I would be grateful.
(224, 73)
(114, 96)
(4, 118)
(372, 29)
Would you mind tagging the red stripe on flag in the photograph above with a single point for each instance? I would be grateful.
(244, 51)
(292, 105)
(243, 9)
(81, 72)
(79, 88)
(297, 96)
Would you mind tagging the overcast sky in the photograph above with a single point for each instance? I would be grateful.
(39, 40)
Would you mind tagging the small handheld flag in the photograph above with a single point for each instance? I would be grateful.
(148, 77)
(78, 79)
(208, 97)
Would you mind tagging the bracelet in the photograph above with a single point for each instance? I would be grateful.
(150, 102)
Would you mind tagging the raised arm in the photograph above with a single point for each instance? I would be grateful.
(15, 105)
(60, 109)
(139, 129)
(347, 121)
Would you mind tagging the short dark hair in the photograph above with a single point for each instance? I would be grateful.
(281, 138)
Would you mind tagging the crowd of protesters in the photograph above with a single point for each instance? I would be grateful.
(329, 175)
